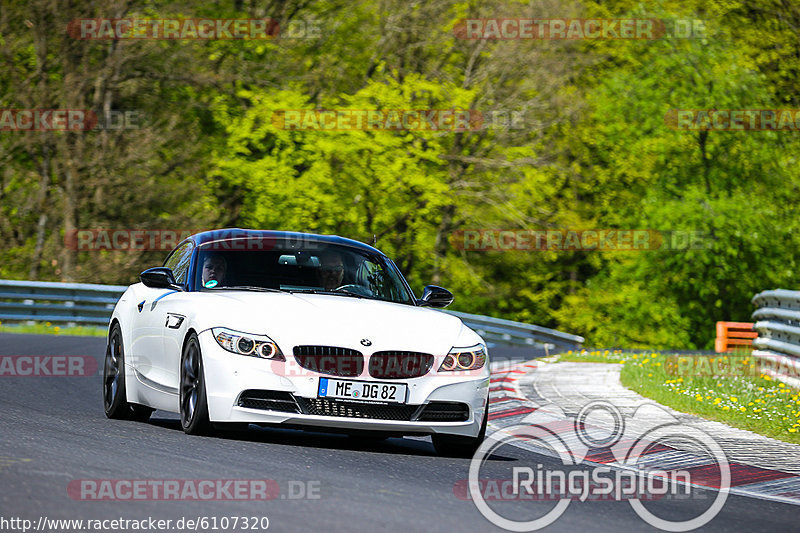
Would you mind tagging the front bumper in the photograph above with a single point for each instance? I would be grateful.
(227, 375)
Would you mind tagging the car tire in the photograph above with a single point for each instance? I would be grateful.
(458, 446)
(115, 403)
(192, 395)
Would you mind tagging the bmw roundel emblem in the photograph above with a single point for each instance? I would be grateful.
(366, 342)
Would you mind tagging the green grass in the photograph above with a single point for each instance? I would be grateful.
(727, 388)
(48, 329)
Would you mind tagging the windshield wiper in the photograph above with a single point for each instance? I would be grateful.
(328, 292)
(250, 288)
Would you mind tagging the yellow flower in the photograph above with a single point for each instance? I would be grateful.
(781, 385)
(680, 380)
(717, 401)
(767, 378)
(699, 397)
(726, 408)
(792, 430)
(649, 375)
(56, 329)
(743, 409)
(48, 324)
(734, 399)
(751, 403)
(645, 361)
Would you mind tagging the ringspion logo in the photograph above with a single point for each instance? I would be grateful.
(633, 443)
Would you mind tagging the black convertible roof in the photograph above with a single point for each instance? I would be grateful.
(239, 233)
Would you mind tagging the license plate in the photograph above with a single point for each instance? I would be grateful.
(362, 391)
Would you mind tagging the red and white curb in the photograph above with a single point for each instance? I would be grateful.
(508, 407)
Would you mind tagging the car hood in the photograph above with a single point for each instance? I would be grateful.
(295, 319)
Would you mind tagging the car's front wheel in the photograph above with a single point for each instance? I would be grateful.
(193, 400)
(114, 396)
(458, 446)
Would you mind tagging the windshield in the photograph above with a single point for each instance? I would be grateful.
(313, 267)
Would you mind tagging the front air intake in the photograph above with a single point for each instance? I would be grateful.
(330, 360)
(399, 365)
(268, 400)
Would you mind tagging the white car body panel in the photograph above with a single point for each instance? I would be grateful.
(154, 337)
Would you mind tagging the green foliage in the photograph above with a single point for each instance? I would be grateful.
(593, 151)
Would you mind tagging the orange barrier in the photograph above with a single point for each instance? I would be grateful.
(732, 335)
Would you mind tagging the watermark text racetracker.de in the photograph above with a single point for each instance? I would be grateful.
(733, 119)
(473, 240)
(191, 29)
(574, 29)
(74, 120)
(730, 365)
(48, 366)
(165, 240)
(598, 455)
(192, 490)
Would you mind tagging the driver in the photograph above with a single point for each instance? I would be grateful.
(331, 270)
(214, 269)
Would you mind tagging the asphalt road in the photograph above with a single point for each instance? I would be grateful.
(53, 431)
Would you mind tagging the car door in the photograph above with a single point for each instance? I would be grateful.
(154, 368)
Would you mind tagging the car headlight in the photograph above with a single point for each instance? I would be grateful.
(247, 344)
(471, 358)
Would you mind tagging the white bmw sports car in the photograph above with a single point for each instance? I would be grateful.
(259, 327)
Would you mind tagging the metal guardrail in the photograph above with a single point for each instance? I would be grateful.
(778, 326)
(83, 303)
(508, 332)
(58, 303)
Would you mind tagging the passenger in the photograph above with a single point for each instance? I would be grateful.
(331, 270)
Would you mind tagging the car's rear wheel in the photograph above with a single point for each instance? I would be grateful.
(114, 400)
(193, 400)
(458, 446)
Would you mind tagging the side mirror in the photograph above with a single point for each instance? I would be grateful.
(159, 278)
(433, 296)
